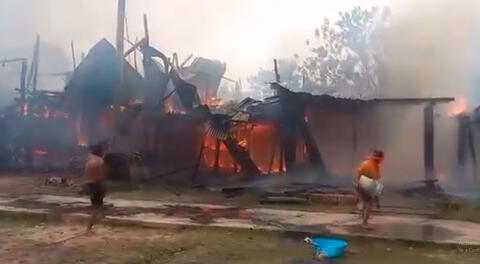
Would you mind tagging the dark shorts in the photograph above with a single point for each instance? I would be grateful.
(97, 193)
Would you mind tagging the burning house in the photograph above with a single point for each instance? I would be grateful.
(161, 114)
(35, 127)
(36, 133)
(467, 140)
(330, 133)
(172, 116)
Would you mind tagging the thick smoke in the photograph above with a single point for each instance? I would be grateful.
(53, 63)
(432, 50)
(18, 30)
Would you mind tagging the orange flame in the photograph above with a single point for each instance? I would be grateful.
(81, 137)
(459, 106)
(225, 160)
(260, 149)
(215, 102)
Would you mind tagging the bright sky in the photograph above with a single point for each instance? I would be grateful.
(246, 34)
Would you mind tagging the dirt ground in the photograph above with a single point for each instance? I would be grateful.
(28, 240)
(17, 184)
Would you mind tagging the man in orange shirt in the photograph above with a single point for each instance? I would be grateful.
(370, 169)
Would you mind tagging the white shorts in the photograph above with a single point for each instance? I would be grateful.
(372, 187)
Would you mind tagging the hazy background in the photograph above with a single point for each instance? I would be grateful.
(246, 34)
(433, 47)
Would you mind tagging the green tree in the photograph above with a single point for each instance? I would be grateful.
(347, 56)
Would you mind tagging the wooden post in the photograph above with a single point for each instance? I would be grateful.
(32, 75)
(290, 150)
(121, 27)
(277, 75)
(36, 61)
(471, 147)
(127, 37)
(314, 154)
(120, 50)
(135, 57)
(242, 156)
(145, 29)
(199, 161)
(280, 157)
(462, 141)
(429, 146)
(274, 150)
(217, 156)
(235, 166)
(72, 46)
(275, 67)
(23, 86)
(304, 80)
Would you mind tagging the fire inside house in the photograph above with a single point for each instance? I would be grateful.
(173, 116)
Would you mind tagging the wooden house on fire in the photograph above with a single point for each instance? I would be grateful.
(166, 116)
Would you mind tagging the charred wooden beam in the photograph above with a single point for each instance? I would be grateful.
(313, 152)
(277, 75)
(281, 157)
(274, 150)
(218, 126)
(145, 29)
(291, 110)
(33, 74)
(466, 144)
(135, 46)
(120, 50)
(23, 86)
(462, 140)
(289, 141)
(235, 166)
(242, 156)
(429, 146)
(471, 147)
(74, 61)
(292, 125)
(217, 156)
(135, 65)
(199, 161)
(430, 100)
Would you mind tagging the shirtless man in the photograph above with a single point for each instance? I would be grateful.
(95, 177)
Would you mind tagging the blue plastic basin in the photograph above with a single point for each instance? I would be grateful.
(330, 246)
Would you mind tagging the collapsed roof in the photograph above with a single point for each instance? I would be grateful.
(206, 75)
(269, 109)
